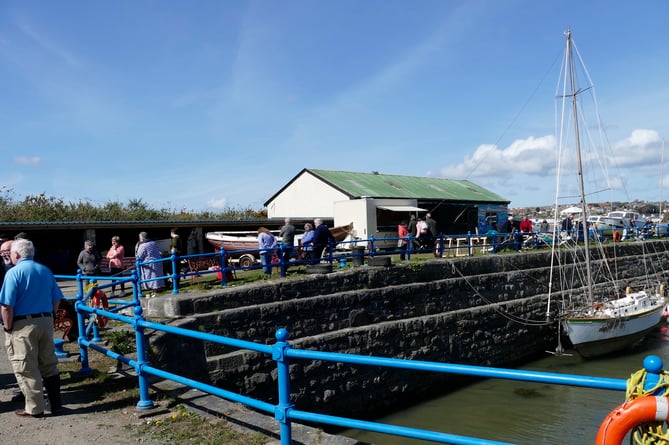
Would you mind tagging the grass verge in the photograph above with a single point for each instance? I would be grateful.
(106, 390)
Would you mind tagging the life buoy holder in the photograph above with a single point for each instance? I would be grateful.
(630, 414)
(100, 301)
(617, 236)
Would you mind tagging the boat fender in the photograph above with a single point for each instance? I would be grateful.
(629, 415)
(628, 290)
(100, 301)
(617, 236)
(662, 290)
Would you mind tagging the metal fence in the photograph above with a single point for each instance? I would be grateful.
(340, 254)
(283, 354)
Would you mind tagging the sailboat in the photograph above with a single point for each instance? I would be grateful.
(597, 316)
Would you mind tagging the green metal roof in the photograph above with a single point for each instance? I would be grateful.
(377, 185)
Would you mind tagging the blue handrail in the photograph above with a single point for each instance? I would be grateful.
(282, 352)
(343, 251)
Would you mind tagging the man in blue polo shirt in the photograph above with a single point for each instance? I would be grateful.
(29, 297)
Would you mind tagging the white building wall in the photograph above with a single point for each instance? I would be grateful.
(306, 197)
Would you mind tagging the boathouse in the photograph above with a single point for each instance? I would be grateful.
(377, 202)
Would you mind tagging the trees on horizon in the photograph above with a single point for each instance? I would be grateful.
(45, 208)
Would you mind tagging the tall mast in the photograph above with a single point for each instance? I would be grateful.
(577, 141)
(661, 216)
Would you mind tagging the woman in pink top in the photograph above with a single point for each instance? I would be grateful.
(402, 234)
(115, 257)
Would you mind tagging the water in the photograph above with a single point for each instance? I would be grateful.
(527, 413)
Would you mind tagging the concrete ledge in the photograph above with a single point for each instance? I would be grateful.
(319, 268)
(383, 261)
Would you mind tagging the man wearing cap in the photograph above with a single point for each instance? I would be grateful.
(508, 226)
(28, 299)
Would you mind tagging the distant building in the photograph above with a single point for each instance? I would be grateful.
(376, 202)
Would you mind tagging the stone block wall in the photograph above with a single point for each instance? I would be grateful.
(488, 310)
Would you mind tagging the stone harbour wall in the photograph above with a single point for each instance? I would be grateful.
(486, 310)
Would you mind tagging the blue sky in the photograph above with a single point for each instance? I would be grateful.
(207, 104)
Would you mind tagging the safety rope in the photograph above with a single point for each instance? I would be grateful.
(651, 433)
(497, 306)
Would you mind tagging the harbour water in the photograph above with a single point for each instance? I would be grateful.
(527, 413)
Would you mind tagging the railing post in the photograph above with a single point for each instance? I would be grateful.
(144, 400)
(138, 271)
(135, 286)
(330, 251)
(81, 322)
(224, 267)
(407, 248)
(440, 249)
(92, 327)
(653, 366)
(175, 272)
(283, 377)
(282, 264)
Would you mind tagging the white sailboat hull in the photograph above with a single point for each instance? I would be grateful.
(601, 335)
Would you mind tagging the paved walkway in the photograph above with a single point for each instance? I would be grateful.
(89, 421)
(85, 421)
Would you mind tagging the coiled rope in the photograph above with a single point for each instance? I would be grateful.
(651, 433)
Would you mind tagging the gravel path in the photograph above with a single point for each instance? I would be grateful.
(85, 421)
(89, 421)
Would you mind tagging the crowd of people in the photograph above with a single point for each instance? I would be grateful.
(422, 232)
(318, 237)
(29, 299)
(146, 251)
(314, 241)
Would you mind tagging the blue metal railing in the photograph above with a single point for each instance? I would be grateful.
(341, 252)
(282, 353)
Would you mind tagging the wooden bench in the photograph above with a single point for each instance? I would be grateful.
(128, 265)
(203, 263)
(208, 263)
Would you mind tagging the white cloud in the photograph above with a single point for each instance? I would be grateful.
(28, 160)
(640, 148)
(219, 203)
(531, 156)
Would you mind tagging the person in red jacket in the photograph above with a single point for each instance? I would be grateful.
(526, 225)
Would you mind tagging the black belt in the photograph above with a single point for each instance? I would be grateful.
(37, 315)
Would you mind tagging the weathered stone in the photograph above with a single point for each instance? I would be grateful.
(464, 310)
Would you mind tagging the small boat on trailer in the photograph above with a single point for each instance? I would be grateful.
(244, 245)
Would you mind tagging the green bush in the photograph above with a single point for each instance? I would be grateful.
(46, 208)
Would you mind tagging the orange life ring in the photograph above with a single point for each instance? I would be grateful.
(100, 301)
(629, 415)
